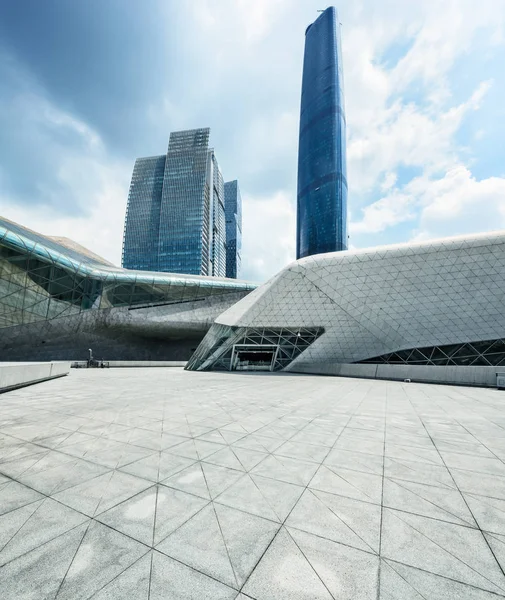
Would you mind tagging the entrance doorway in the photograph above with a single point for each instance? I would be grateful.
(250, 357)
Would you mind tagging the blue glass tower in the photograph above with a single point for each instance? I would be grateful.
(233, 209)
(322, 183)
(175, 218)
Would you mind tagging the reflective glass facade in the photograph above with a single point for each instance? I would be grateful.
(142, 223)
(218, 238)
(41, 279)
(175, 218)
(488, 353)
(233, 208)
(227, 348)
(322, 182)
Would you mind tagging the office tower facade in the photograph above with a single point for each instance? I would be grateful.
(142, 223)
(175, 218)
(233, 210)
(322, 182)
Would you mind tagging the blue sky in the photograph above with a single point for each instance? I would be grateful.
(86, 87)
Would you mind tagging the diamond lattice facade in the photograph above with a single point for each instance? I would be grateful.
(436, 303)
(233, 209)
(57, 300)
(175, 219)
(322, 179)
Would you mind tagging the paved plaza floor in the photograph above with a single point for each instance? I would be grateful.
(166, 484)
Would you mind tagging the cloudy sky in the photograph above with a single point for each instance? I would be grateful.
(86, 86)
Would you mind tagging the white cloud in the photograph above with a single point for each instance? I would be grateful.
(100, 229)
(97, 184)
(386, 212)
(456, 203)
(269, 242)
(459, 203)
(242, 66)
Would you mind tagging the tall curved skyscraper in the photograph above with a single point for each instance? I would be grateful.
(322, 182)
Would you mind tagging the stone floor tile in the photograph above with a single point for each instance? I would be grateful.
(278, 432)
(403, 439)
(33, 463)
(219, 479)
(280, 495)
(14, 494)
(196, 449)
(356, 429)
(246, 538)
(12, 521)
(37, 575)
(356, 461)
(347, 573)
(317, 438)
(134, 517)
(132, 583)
(159, 442)
(400, 582)
(352, 484)
(497, 544)
(339, 519)
(360, 445)
(286, 469)
(488, 512)
(249, 458)
(199, 543)
(17, 449)
(56, 479)
(481, 484)
(413, 454)
(108, 453)
(173, 509)
(436, 502)
(247, 496)
(158, 466)
(480, 464)
(226, 458)
(28, 528)
(102, 555)
(220, 436)
(302, 451)
(171, 579)
(258, 442)
(190, 480)
(470, 447)
(284, 573)
(445, 549)
(418, 472)
(102, 493)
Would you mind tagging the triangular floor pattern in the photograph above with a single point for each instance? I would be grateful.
(221, 542)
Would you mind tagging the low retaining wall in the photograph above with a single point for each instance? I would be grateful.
(453, 375)
(134, 363)
(16, 375)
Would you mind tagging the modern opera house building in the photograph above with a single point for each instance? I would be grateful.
(436, 303)
(409, 307)
(58, 299)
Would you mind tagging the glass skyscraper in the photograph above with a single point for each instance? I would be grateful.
(175, 218)
(322, 182)
(233, 210)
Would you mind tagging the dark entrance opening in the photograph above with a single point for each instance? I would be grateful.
(253, 358)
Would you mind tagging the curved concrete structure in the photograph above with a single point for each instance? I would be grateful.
(57, 299)
(434, 303)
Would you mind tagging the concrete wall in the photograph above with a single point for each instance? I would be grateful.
(14, 375)
(135, 363)
(160, 333)
(454, 375)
